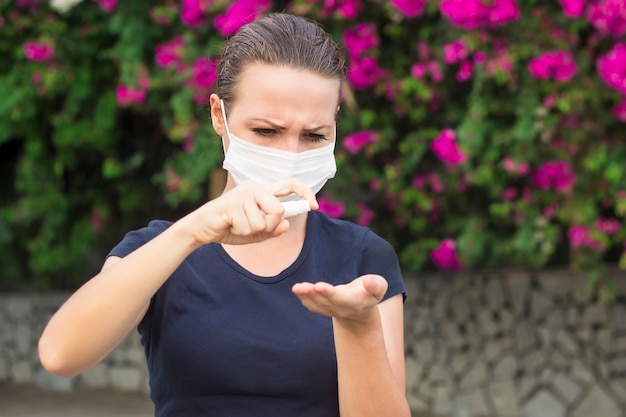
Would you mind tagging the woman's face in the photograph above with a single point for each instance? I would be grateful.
(280, 107)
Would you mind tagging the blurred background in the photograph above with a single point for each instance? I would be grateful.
(485, 139)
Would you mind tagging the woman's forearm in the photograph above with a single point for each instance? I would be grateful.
(367, 383)
(100, 314)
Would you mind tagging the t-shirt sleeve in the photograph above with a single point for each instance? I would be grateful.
(137, 238)
(380, 258)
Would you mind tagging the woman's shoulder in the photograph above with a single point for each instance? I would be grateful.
(152, 229)
(323, 220)
(137, 237)
(325, 225)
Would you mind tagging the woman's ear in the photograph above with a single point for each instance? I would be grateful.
(216, 114)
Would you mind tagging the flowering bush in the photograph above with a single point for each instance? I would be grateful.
(473, 133)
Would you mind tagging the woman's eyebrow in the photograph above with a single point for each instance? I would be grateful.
(275, 125)
(278, 125)
(318, 127)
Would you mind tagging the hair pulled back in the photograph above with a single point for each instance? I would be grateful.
(283, 40)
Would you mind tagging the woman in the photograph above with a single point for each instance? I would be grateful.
(241, 311)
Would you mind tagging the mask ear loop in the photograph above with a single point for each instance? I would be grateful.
(225, 122)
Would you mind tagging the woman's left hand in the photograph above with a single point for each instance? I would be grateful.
(353, 302)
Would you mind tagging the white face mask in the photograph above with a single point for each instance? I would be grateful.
(263, 165)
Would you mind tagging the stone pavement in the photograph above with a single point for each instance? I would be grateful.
(30, 401)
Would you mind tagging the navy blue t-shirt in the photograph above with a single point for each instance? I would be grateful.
(223, 342)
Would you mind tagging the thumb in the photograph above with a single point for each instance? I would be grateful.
(375, 285)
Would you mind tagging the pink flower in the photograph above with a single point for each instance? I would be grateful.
(446, 149)
(143, 79)
(462, 185)
(513, 167)
(608, 16)
(608, 226)
(169, 54)
(612, 68)
(31, 5)
(359, 39)
(364, 73)
(36, 77)
(523, 168)
(445, 256)
(239, 13)
(97, 220)
(188, 143)
(107, 5)
(480, 57)
(527, 195)
(435, 183)
(418, 70)
(474, 14)
(349, 9)
(127, 96)
(549, 212)
(619, 111)
(366, 216)
(435, 213)
(357, 141)
(163, 15)
(561, 145)
(423, 50)
(173, 180)
(558, 64)
(419, 181)
(192, 14)
(578, 235)
(500, 63)
(454, 52)
(573, 8)
(549, 101)
(410, 8)
(332, 208)
(465, 71)
(557, 175)
(38, 51)
(436, 74)
(204, 73)
(509, 164)
(509, 193)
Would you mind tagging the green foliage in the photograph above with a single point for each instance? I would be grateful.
(80, 166)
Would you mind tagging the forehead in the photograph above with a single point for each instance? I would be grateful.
(285, 92)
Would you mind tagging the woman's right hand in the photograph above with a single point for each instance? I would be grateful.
(246, 213)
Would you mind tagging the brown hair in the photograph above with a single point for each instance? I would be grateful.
(279, 39)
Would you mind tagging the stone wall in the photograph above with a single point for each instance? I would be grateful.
(516, 345)
(23, 318)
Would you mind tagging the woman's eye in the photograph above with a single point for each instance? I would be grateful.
(264, 132)
(315, 137)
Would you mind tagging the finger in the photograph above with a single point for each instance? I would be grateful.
(315, 304)
(375, 285)
(293, 186)
(269, 209)
(256, 218)
(302, 288)
(237, 221)
(308, 288)
(263, 209)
